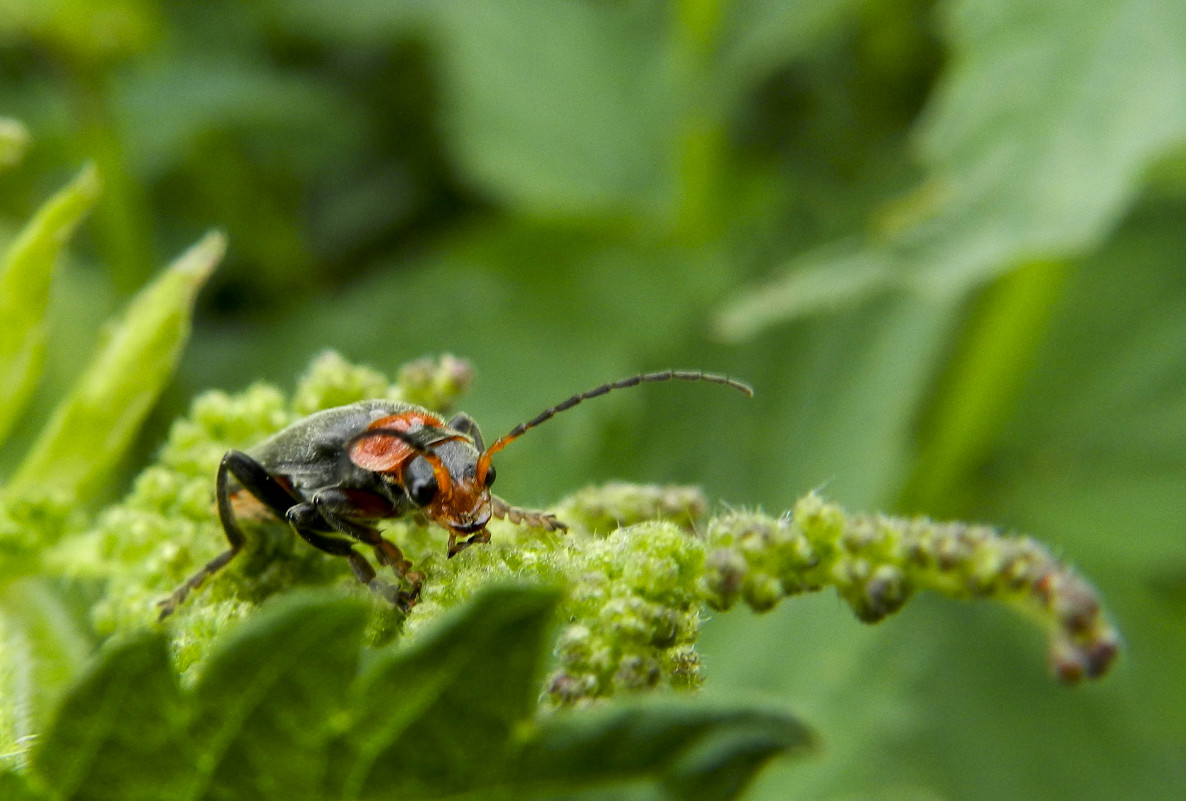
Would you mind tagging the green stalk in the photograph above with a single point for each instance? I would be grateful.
(701, 142)
(982, 384)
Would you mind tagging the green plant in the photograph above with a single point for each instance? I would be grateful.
(323, 696)
(961, 222)
(44, 502)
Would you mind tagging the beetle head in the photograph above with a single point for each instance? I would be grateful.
(436, 467)
(444, 484)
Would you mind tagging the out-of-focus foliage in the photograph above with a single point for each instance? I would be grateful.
(565, 192)
(93, 426)
(42, 645)
(313, 725)
(26, 274)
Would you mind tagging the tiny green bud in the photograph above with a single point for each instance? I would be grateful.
(725, 572)
(433, 383)
(332, 381)
(636, 672)
(683, 666)
(762, 592)
(609, 507)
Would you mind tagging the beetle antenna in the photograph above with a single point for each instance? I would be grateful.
(632, 381)
(439, 471)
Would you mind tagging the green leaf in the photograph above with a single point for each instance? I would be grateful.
(119, 734)
(1044, 126)
(44, 649)
(92, 427)
(15, 787)
(588, 134)
(1036, 143)
(760, 36)
(982, 384)
(656, 750)
(87, 33)
(464, 688)
(269, 701)
(838, 276)
(280, 712)
(25, 276)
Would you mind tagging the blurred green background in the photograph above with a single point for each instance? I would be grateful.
(944, 241)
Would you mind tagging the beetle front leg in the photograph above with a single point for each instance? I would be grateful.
(321, 514)
(255, 480)
(456, 547)
(504, 511)
(545, 520)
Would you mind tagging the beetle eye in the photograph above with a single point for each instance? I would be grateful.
(422, 492)
(490, 475)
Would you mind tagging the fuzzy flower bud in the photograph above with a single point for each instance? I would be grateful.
(433, 383)
(876, 564)
(611, 506)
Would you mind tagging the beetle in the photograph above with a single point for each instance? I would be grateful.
(333, 474)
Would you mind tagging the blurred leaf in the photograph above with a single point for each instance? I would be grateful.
(827, 280)
(14, 141)
(47, 649)
(652, 750)
(839, 407)
(1101, 420)
(268, 703)
(999, 131)
(759, 36)
(1041, 132)
(1037, 140)
(14, 787)
(93, 426)
(25, 277)
(588, 134)
(448, 716)
(363, 23)
(84, 30)
(981, 385)
(119, 733)
(451, 699)
(174, 107)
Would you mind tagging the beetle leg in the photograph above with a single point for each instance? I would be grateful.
(257, 481)
(334, 505)
(307, 519)
(304, 518)
(456, 547)
(503, 510)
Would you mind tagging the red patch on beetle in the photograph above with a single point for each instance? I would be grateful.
(368, 506)
(382, 454)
